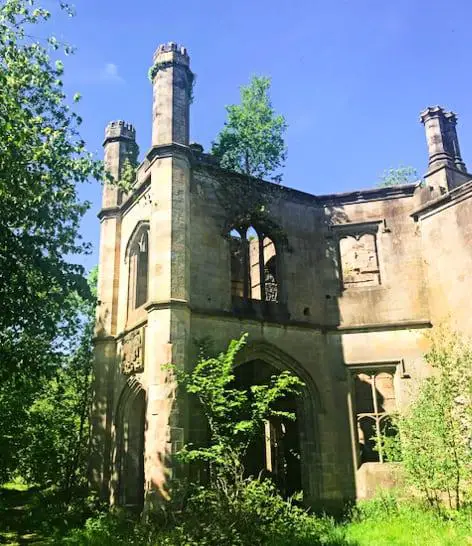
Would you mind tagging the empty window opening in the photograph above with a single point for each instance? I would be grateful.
(254, 273)
(138, 270)
(237, 264)
(374, 398)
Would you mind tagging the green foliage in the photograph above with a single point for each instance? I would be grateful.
(128, 171)
(46, 439)
(256, 515)
(40, 516)
(154, 69)
(42, 161)
(252, 140)
(234, 416)
(397, 177)
(435, 432)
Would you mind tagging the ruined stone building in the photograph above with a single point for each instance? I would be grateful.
(342, 300)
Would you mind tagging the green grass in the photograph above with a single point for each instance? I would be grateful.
(387, 522)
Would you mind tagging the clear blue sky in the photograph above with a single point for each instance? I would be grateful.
(351, 77)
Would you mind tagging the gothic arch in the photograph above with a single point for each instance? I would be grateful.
(254, 263)
(309, 407)
(138, 229)
(130, 429)
(280, 360)
(137, 262)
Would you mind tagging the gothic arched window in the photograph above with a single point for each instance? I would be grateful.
(253, 265)
(138, 269)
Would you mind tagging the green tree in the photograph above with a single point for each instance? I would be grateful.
(435, 432)
(397, 177)
(51, 441)
(252, 139)
(42, 162)
(234, 416)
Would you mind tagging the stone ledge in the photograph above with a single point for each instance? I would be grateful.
(108, 212)
(374, 327)
(166, 304)
(169, 150)
(436, 205)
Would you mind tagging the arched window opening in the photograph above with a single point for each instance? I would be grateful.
(253, 266)
(237, 264)
(142, 270)
(374, 397)
(138, 269)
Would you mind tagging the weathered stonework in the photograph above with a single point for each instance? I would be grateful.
(343, 302)
(132, 359)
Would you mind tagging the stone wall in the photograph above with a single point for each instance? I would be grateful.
(361, 277)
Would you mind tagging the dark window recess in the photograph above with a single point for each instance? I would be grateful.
(138, 270)
(254, 273)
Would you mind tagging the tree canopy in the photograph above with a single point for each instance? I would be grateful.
(252, 139)
(42, 162)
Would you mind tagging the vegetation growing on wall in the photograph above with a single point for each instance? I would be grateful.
(252, 139)
(397, 177)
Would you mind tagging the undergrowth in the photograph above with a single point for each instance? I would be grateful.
(253, 515)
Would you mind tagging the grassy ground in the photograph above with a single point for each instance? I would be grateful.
(407, 524)
(32, 516)
(29, 515)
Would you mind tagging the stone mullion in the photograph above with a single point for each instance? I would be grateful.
(261, 269)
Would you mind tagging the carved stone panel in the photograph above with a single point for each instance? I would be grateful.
(132, 354)
(359, 261)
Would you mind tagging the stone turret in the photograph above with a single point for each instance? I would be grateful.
(446, 170)
(119, 145)
(172, 82)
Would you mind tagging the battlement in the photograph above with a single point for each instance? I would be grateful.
(120, 129)
(171, 52)
(437, 111)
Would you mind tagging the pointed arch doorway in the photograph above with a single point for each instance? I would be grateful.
(276, 451)
(291, 450)
(130, 445)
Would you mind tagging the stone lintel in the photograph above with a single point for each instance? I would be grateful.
(371, 226)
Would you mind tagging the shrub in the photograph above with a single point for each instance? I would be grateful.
(254, 514)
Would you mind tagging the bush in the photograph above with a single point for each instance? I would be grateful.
(254, 514)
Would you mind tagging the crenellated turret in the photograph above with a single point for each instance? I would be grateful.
(172, 82)
(119, 145)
